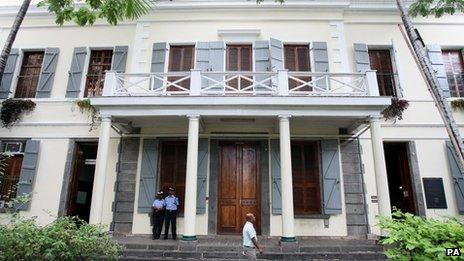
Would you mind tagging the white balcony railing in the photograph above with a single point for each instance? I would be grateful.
(280, 83)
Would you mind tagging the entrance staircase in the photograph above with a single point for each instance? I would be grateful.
(229, 248)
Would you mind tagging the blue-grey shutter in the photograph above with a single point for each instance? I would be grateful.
(202, 59)
(331, 177)
(7, 79)
(276, 54)
(458, 178)
(202, 175)
(158, 61)
(276, 192)
(436, 58)
(119, 59)
(217, 50)
(47, 75)
(361, 56)
(28, 171)
(148, 175)
(76, 72)
(321, 62)
(262, 62)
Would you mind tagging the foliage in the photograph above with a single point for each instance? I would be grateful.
(86, 12)
(436, 7)
(13, 109)
(66, 238)
(396, 109)
(416, 238)
(458, 104)
(86, 107)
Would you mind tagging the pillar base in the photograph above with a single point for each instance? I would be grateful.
(289, 244)
(189, 238)
(188, 243)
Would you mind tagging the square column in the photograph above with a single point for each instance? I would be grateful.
(288, 226)
(98, 190)
(381, 180)
(190, 209)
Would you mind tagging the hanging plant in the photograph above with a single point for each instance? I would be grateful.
(86, 107)
(395, 110)
(457, 105)
(13, 110)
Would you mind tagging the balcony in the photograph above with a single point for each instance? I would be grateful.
(281, 83)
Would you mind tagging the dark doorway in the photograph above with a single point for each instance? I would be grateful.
(239, 185)
(81, 181)
(399, 176)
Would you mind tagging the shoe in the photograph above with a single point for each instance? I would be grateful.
(174, 238)
(164, 238)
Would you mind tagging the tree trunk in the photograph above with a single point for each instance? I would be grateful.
(433, 84)
(12, 36)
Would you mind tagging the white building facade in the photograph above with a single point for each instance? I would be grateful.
(270, 109)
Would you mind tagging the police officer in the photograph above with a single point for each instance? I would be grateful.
(158, 206)
(172, 202)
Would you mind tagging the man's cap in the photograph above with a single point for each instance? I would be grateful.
(171, 189)
(159, 193)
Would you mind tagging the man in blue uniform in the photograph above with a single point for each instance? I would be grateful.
(158, 214)
(172, 202)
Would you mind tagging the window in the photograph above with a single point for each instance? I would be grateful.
(28, 78)
(454, 67)
(297, 60)
(181, 59)
(12, 170)
(305, 173)
(381, 62)
(100, 62)
(172, 168)
(239, 59)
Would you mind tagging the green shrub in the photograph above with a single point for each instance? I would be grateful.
(416, 238)
(66, 238)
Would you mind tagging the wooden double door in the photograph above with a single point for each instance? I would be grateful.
(238, 186)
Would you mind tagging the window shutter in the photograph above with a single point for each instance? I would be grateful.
(361, 55)
(276, 179)
(217, 51)
(331, 177)
(276, 54)
(458, 178)
(321, 61)
(202, 60)
(76, 72)
(7, 79)
(202, 175)
(158, 61)
(262, 62)
(28, 171)
(119, 59)
(436, 58)
(148, 175)
(47, 75)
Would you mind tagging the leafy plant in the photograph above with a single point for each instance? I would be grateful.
(86, 107)
(436, 7)
(395, 110)
(13, 109)
(67, 238)
(416, 238)
(458, 104)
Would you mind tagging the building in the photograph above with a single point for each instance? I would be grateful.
(271, 109)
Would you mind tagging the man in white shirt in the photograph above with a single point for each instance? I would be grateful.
(250, 241)
(158, 206)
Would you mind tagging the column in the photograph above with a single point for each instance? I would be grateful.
(98, 191)
(288, 227)
(380, 168)
(190, 209)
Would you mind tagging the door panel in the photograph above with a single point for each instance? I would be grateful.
(239, 188)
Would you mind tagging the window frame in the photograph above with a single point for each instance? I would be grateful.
(461, 51)
(87, 67)
(17, 70)
(4, 204)
(395, 74)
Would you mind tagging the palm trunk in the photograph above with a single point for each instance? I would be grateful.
(433, 84)
(12, 36)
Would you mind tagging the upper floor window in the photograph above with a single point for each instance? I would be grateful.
(239, 58)
(381, 61)
(181, 59)
(100, 62)
(454, 67)
(296, 59)
(305, 174)
(28, 78)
